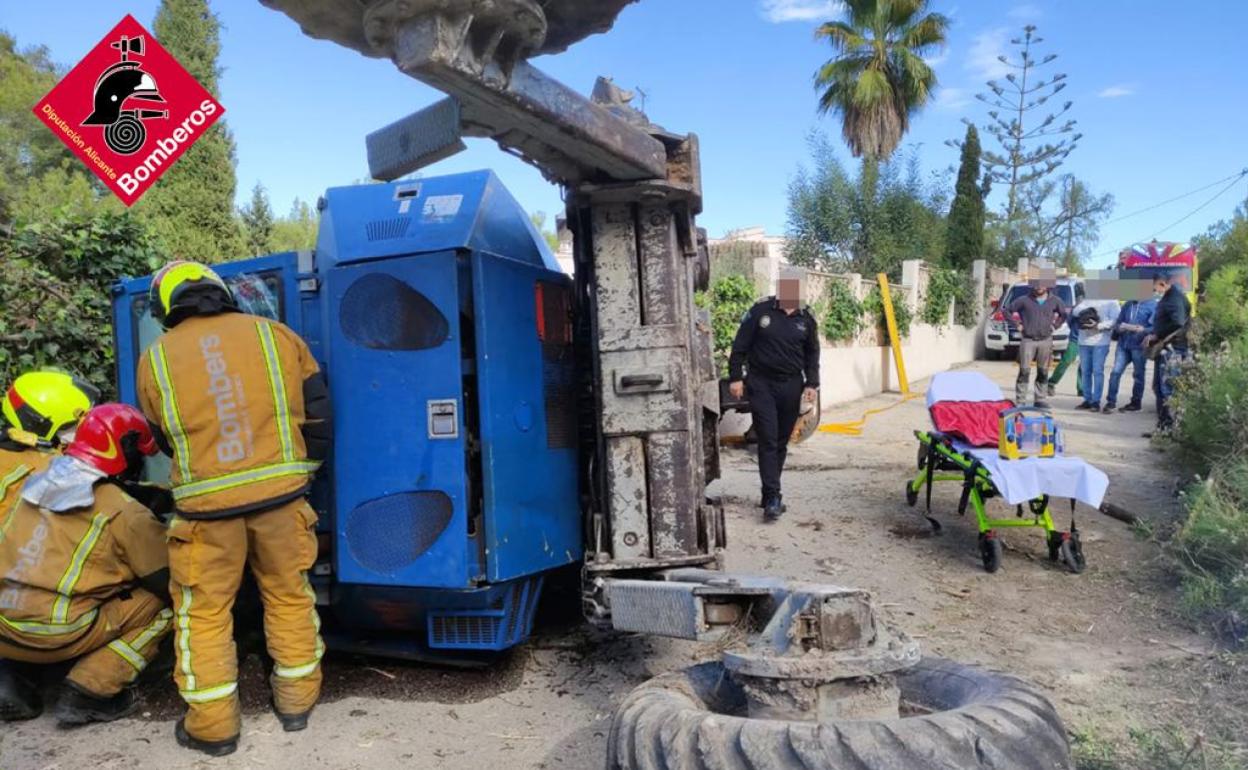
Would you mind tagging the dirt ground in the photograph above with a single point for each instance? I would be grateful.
(1106, 646)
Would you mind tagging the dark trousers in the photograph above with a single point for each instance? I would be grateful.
(775, 405)
(1165, 366)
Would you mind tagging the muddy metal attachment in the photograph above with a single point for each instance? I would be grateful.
(801, 651)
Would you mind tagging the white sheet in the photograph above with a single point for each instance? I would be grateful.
(1021, 480)
(962, 386)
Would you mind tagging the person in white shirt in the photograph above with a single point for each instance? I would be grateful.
(1095, 319)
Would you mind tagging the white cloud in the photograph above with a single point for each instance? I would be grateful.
(951, 98)
(1025, 12)
(937, 59)
(1115, 91)
(778, 11)
(982, 59)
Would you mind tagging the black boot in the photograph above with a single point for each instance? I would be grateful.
(211, 748)
(78, 707)
(773, 508)
(19, 697)
(292, 723)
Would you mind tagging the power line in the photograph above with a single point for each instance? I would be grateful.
(1235, 177)
(1194, 211)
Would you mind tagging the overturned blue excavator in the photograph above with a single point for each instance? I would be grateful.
(444, 326)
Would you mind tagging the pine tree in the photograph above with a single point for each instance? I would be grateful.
(258, 222)
(964, 239)
(192, 205)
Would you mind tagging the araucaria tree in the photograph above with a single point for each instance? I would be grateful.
(1032, 147)
(878, 78)
(964, 236)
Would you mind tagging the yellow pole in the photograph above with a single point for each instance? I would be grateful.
(893, 338)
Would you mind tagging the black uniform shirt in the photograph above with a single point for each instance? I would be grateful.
(771, 343)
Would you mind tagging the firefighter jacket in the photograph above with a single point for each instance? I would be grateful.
(239, 403)
(17, 463)
(58, 568)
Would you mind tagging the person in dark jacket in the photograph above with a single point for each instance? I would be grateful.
(1038, 313)
(1130, 330)
(775, 358)
(1169, 338)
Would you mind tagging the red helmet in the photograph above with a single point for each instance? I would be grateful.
(112, 438)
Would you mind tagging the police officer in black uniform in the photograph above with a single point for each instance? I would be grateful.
(778, 346)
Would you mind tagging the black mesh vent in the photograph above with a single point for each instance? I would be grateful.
(554, 329)
(389, 533)
(381, 312)
(385, 229)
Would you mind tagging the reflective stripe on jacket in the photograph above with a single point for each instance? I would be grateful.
(15, 467)
(56, 569)
(227, 392)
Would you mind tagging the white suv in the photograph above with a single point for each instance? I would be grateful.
(1001, 335)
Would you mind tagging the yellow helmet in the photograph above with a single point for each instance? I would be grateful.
(184, 286)
(45, 403)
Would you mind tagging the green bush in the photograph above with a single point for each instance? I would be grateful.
(55, 278)
(1211, 405)
(1211, 550)
(944, 286)
(874, 307)
(728, 299)
(1223, 314)
(839, 313)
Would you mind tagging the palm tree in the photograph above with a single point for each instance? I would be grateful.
(879, 78)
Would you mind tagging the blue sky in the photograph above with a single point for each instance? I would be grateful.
(1159, 89)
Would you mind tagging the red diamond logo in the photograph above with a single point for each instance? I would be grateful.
(128, 110)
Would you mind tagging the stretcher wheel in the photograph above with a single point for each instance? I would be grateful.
(912, 494)
(1055, 546)
(1071, 554)
(990, 551)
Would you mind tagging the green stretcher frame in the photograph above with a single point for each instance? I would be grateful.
(1041, 516)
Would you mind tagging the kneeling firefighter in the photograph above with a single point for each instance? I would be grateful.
(41, 410)
(240, 404)
(85, 571)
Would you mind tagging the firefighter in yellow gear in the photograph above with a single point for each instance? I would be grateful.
(241, 406)
(40, 408)
(85, 573)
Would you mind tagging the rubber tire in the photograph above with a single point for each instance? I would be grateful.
(912, 495)
(1071, 554)
(990, 552)
(687, 720)
(992, 354)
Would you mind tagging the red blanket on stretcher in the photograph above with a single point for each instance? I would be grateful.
(975, 422)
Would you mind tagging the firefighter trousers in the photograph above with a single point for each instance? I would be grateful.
(124, 638)
(206, 562)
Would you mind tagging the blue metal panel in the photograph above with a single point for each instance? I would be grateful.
(134, 329)
(388, 475)
(532, 513)
(462, 211)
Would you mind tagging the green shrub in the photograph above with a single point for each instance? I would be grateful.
(1223, 313)
(946, 285)
(1211, 550)
(55, 277)
(1211, 405)
(728, 299)
(839, 313)
(874, 307)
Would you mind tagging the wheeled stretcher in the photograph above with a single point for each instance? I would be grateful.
(962, 447)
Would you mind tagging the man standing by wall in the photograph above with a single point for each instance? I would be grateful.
(1038, 314)
(775, 357)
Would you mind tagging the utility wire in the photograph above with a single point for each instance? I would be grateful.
(1235, 177)
(1194, 211)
